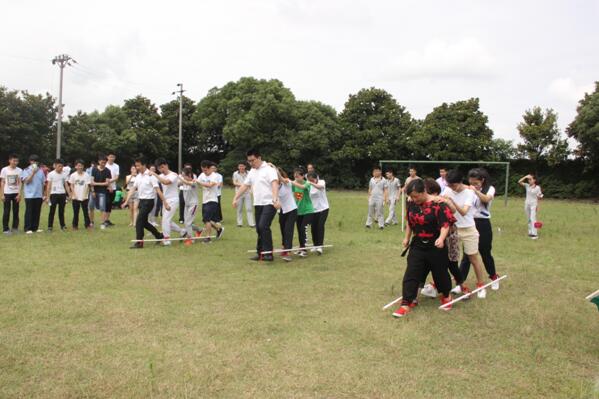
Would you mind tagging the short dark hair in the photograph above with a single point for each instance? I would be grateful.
(416, 185)
(432, 187)
(299, 171)
(13, 156)
(241, 163)
(34, 157)
(111, 153)
(59, 161)
(102, 157)
(253, 152)
(140, 160)
(313, 175)
(161, 161)
(454, 176)
(443, 168)
(413, 168)
(391, 171)
(206, 164)
(80, 161)
(376, 167)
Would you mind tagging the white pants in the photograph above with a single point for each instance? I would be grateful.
(531, 214)
(189, 215)
(167, 218)
(392, 218)
(375, 212)
(245, 200)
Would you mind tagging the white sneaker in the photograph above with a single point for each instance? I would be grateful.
(319, 251)
(29, 232)
(313, 250)
(40, 231)
(166, 243)
(457, 290)
(102, 226)
(495, 285)
(482, 294)
(302, 254)
(429, 290)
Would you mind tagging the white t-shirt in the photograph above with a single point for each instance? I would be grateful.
(463, 198)
(209, 194)
(190, 193)
(442, 183)
(57, 182)
(483, 211)
(320, 202)
(533, 194)
(146, 185)
(286, 198)
(377, 189)
(240, 179)
(80, 185)
(394, 186)
(115, 172)
(11, 179)
(261, 181)
(219, 180)
(171, 191)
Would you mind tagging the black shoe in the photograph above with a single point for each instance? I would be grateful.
(159, 238)
(367, 226)
(268, 258)
(256, 258)
(109, 223)
(219, 233)
(49, 229)
(381, 228)
(137, 245)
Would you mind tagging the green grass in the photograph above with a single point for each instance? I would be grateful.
(84, 316)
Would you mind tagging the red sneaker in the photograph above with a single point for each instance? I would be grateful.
(413, 304)
(198, 234)
(445, 300)
(401, 311)
(465, 291)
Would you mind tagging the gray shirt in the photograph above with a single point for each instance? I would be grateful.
(377, 189)
(394, 187)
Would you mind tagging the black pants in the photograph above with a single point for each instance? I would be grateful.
(220, 210)
(10, 200)
(109, 200)
(83, 205)
(319, 219)
(182, 205)
(141, 223)
(264, 216)
(485, 244)
(33, 211)
(421, 261)
(302, 222)
(287, 223)
(57, 200)
(454, 269)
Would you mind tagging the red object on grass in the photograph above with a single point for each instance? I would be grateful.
(538, 225)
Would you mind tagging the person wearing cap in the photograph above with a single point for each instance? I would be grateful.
(33, 179)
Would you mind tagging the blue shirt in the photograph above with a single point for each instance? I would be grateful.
(35, 188)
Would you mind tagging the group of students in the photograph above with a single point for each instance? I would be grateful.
(87, 189)
(300, 203)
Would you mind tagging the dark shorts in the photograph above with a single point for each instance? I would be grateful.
(210, 212)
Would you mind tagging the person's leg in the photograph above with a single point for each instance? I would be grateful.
(268, 214)
(6, 212)
(37, 213)
(437, 261)
(392, 206)
(220, 211)
(324, 215)
(182, 206)
(84, 210)
(465, 266)
(380, 212)
(416, 272)
(314, 228)
(288, 229)
(76, 205)
(145, 207)
(173, 213)
(28, 214)
(249, 210)
(258, 211)
(456, 271)
(527, 211)
(301, 230)
(109, 200)
(533, 220)
(485, 244)
(391, 214)
(62, 200)
(167, 216)
(188, 217)
(148, 226)
(53, 205)
(282, 220)
(15, 213)
(91, 206)
(239, 210)
(371, 213)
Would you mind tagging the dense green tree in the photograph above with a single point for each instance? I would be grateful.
(541, 137)
(455, 131)
(585, 128)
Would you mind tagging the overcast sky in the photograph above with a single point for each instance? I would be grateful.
(511, 54)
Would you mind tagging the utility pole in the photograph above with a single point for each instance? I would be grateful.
(62, 61)
(180, 92)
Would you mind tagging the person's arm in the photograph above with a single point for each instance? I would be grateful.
(242, 189)
(385, 195)
(462, 210)
(47, 187)
(540, 194)
(183, 179)
(163, 180)
(164, 202)
(521, 181)
(128, 197)
(275, 193)
(236, 183)
(485, 198)
(318, 186)
(2, 189)
(67, 188)
(407, 236)
(440, 242)
(298, 185)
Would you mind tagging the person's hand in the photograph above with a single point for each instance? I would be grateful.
(123, 205)
(235, 203)
(167, 206)
(18, 198)
(2, 197)
(110, 190)
(277, 204)
(439, 243)
(405, 242)
(94, 194)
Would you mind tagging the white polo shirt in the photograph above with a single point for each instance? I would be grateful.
(171, 191)
(463, 198)
(320, 202)
(115, 172)
(261, 182)
(239, 179)
(146, 185)
(286, 198)
(209, 194)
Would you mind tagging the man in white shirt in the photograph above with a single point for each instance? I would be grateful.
(441, 181)
(219, 189)
(170, 188)
(146, 185)
(462, 202)
(114, 172)
(10, 193)
(394, 188)
(264, 183)
(80, 187)
(377, 198)
(245, 200)
(210, 214)
(57, 190)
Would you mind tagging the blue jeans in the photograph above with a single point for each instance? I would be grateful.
(100, 202)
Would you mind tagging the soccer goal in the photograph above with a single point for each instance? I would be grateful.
(382, 164)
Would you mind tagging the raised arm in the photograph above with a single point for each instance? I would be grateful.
(521, 181)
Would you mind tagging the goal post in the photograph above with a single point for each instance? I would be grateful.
(506, 164)
(412, 162)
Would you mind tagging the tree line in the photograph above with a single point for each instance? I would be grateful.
(264, 114)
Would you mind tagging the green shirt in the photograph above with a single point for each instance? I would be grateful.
(302, 199)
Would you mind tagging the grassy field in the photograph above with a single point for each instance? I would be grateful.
(84, 316)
